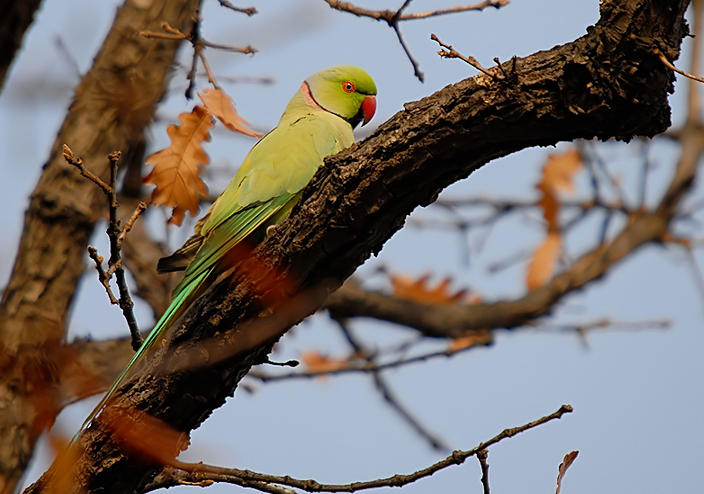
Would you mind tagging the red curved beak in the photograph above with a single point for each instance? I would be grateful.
(368, 108)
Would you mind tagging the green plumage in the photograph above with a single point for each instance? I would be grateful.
(317, 122)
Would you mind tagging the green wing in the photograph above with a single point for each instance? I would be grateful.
(267, 184)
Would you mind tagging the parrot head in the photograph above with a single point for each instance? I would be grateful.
(345, 90)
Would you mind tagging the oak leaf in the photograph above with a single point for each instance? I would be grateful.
(317, 362)
(558, 174)
(220, 104)
(474, 338)
(559, 170)
(146, 436)
(562, 470)
(66, 459)
(542, 265)
(176, 172)
(419, 290)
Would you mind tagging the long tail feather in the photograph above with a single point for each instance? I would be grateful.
(178, 306)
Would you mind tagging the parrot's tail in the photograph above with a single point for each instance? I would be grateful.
(187, 295)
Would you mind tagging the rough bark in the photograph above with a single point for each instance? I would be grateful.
(607, 84)
(16, 18)
(112, 105)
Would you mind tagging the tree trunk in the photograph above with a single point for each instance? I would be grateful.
(17, 16)
(113, 104)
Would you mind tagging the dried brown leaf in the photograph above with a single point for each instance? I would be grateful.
(551, 206)
(317, 362)
(542, 265)
(469, 340)
(558, 173)
(176, 171)
(221, 105)
(148, 437)
(559, 170)
(566, 463)
(66, 459)
(419, 290)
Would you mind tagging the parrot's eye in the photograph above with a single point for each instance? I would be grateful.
(348, 86)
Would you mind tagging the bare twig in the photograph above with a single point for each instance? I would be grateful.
(250, 11)
(195, 38)
(669, 65)
(482, 457)
(199, 472)
(386, 392)
(387, 15)
(450, 52)
(102, 275)
(170, 477)
(392, 18)
(141, 207)
(247, 50)
(78, 163)
(116, 234)
(482, 339)
(211, 77)
(593, 159)
(480, 6)
(416, 66)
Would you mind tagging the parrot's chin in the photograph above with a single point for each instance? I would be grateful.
(357, 119)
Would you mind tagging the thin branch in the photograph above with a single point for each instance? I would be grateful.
(195, 38)
(387, 15)
(102, 275)
(392, 18)
(236, 476)
(478, 7)
(694, 96)
(669, 65)
(116, 234)
(482, 457)
(170, 477)
(211, 77)
(250, 11)
(450, 52)
(482, 339)
(386, 392)
(470, 340)
(141, 207)
(394, 402)
(78, 163)
(247, 50)
(416, 66)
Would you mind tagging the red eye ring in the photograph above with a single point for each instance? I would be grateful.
(348, 87)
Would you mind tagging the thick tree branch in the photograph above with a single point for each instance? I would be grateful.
(607, 84)
(16, 18)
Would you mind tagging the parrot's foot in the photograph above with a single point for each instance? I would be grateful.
(269, 229)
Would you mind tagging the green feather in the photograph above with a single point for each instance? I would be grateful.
(266, 186)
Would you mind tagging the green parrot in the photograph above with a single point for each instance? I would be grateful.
(317, 122)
